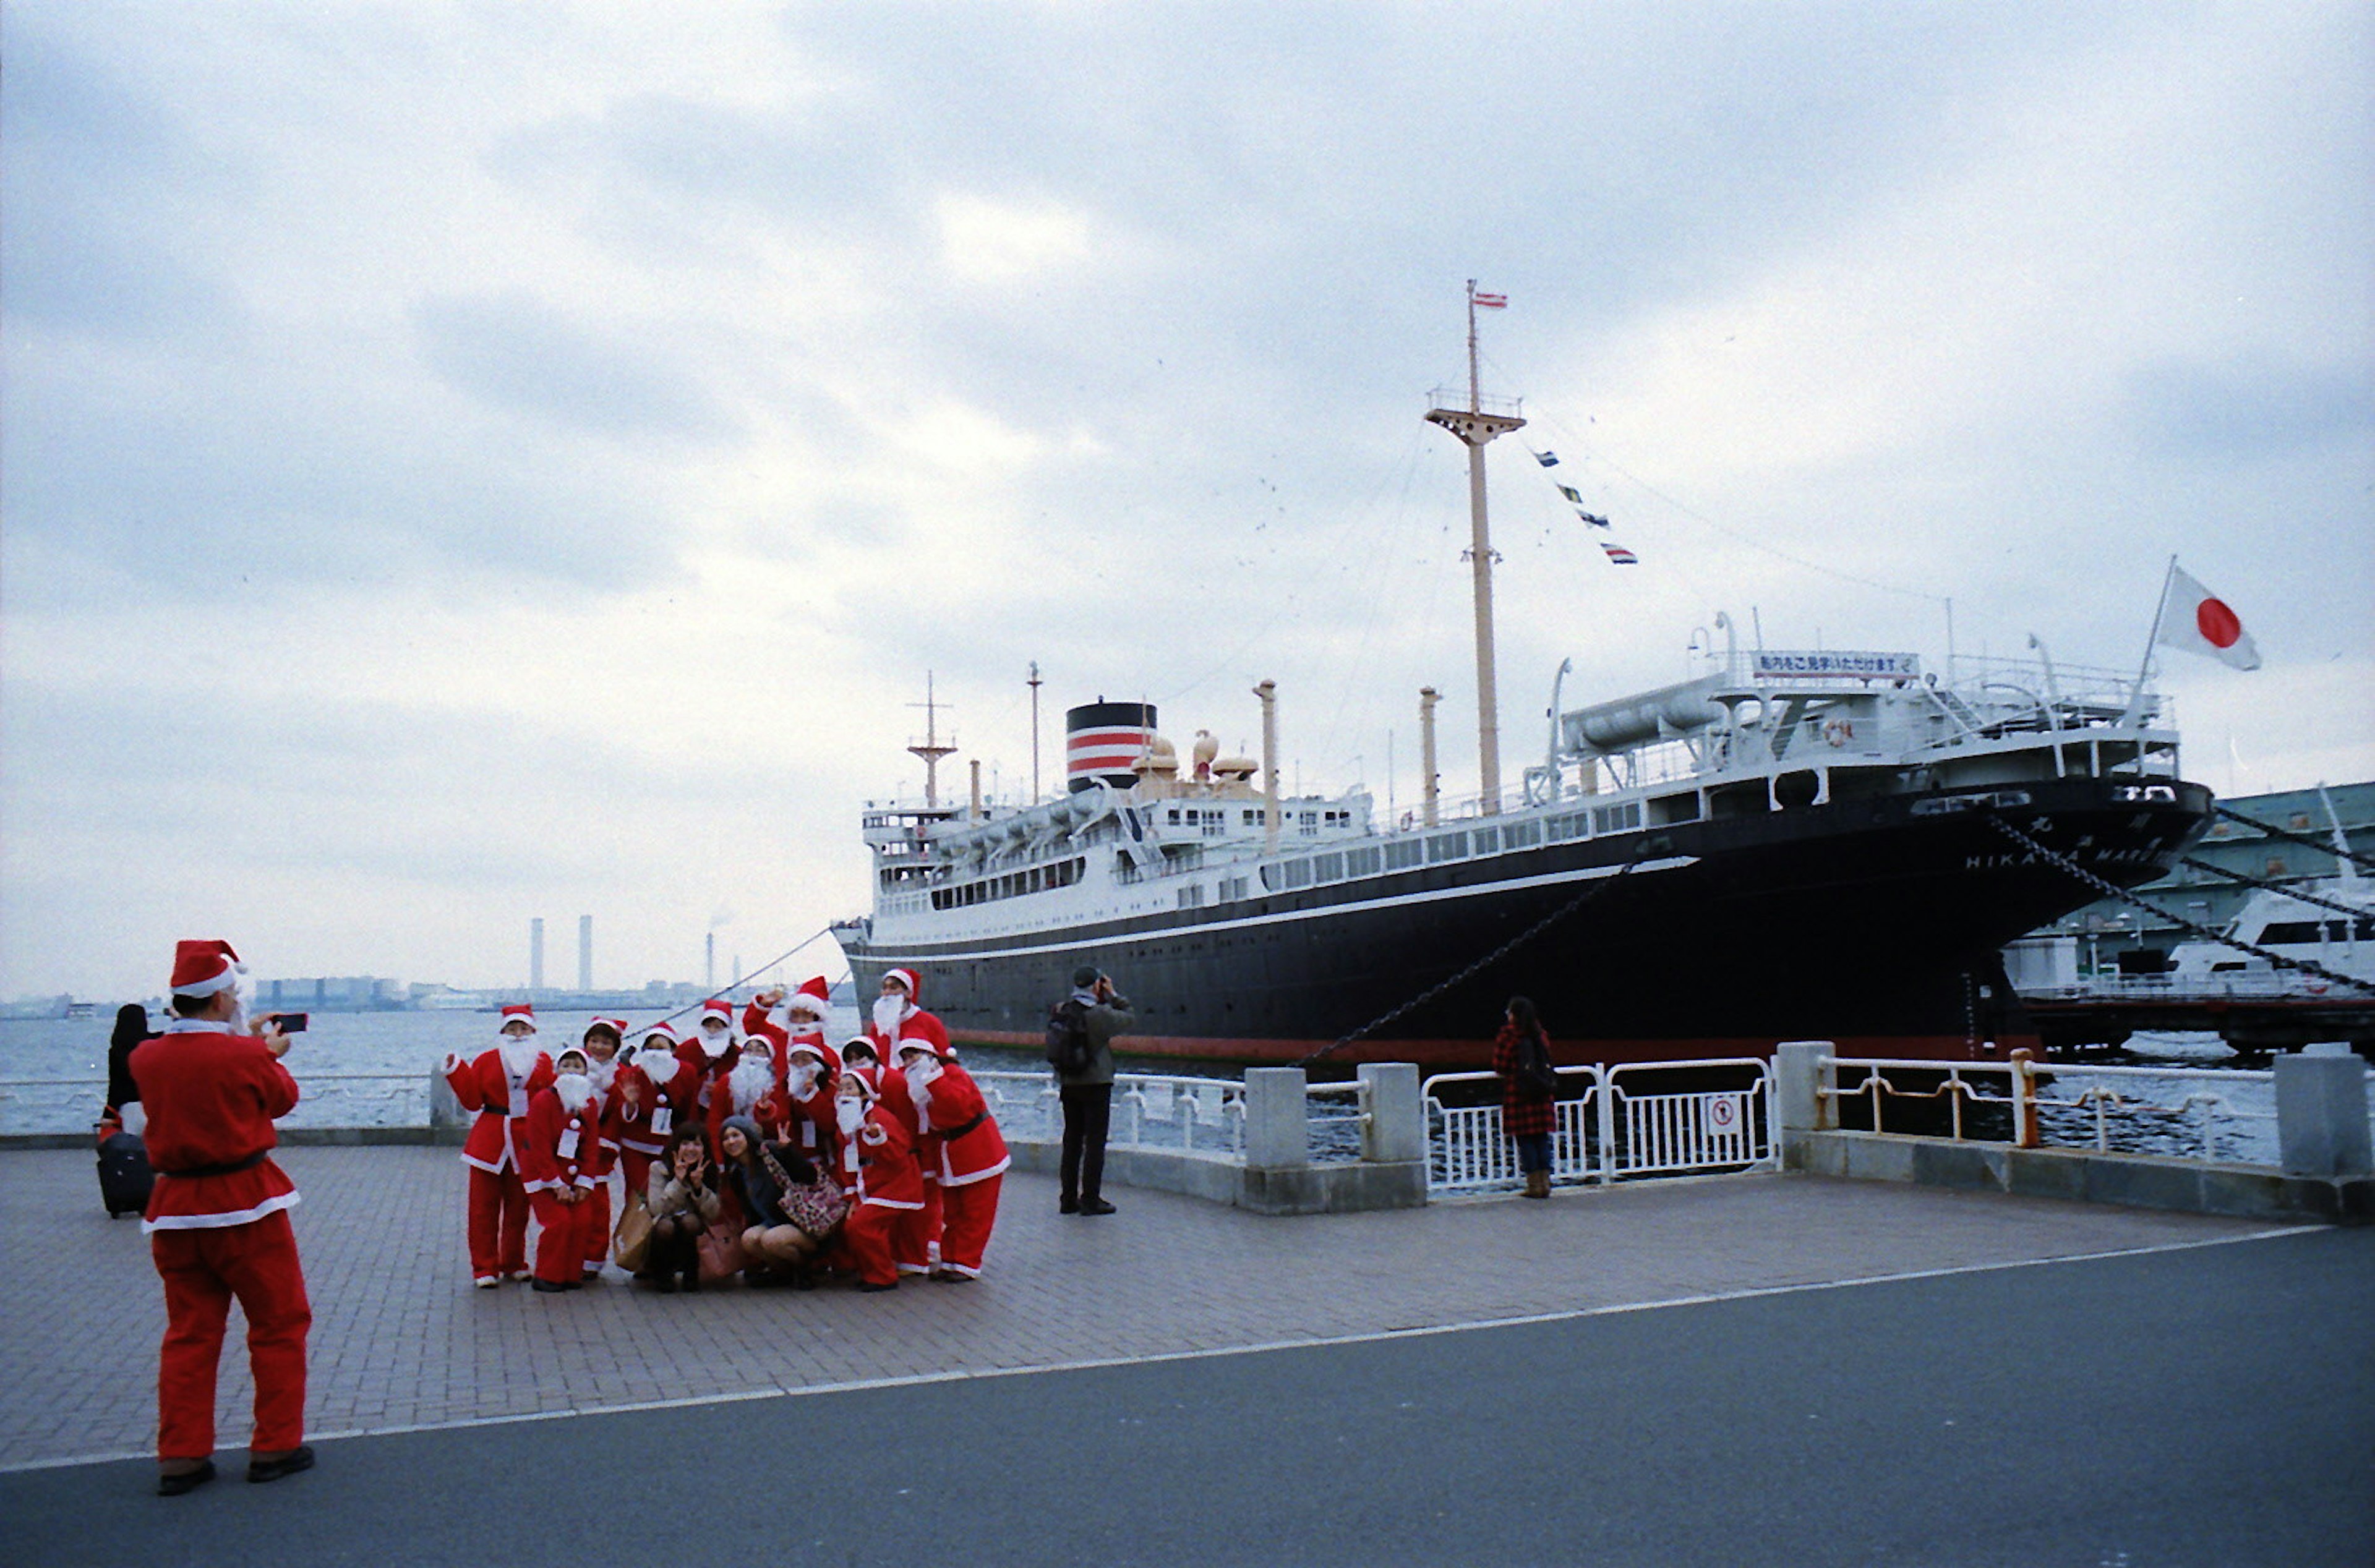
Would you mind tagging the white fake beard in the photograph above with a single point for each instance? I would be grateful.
(890, 1012)
(804, 1079)
(519, 1056)
(849, 1112)
(922, 1070)
(574, 1088)
(604, 1074)
(751, 1080)
(657, 1063)
(713, 1045)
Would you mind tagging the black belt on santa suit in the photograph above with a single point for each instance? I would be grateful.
(962, 1127)
(232, 1168)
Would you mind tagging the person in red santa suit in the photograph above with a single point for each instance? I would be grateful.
(712, 1050)
(561, 1143)
(217, 1220)
(971, 1151)
(896, 1019)
(809, 1079)
(753, 1088)
(498, 1085)
(652, 1090)
(604, 1038)
(879, 1171)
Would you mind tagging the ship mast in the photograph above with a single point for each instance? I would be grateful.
(931, 750)
(1475, 426)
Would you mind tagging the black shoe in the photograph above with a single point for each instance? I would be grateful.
(1095, 1206)
(667, 1284)
(179, 1482)
(870, 1287)
(546, 1287)
(1068, 1205)
(692, 1282)
(298, 1459)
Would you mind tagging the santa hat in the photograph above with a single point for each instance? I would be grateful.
(859, 1046)
(615, 1027)
(203, 967)
(917, 1042)
(804, 1047)
(715, 1008)
(666, 1034)
(568, 1050)
(518, 1012)
(906, 977)
(813, 997)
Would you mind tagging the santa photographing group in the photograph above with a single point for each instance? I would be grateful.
(749, 1145)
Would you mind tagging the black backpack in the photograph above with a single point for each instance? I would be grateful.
(1069, 1049)
(1536, 1075)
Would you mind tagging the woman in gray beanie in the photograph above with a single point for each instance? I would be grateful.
(772, 1247)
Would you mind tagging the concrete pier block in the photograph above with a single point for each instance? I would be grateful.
(1277, 1123)
(1396, 1133)
(2321, 1124)
(1797, 1083)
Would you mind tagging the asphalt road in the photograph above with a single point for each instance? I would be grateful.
(2211, 1406)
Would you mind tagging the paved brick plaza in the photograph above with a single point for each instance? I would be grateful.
(400, 1339)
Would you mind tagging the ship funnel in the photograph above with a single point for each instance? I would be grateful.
(1102, 739)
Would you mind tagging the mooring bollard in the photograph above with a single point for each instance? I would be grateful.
(1396, 1130)
(1277, 1133)
(1798, 1074)
(2322, 1126)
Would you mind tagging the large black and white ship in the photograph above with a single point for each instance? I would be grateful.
(1786, 845)
(1793, 845)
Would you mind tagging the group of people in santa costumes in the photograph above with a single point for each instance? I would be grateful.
(893, 1119)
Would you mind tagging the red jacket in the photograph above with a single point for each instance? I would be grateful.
(557, 1147)
(879, 1164)
(489, 1088)
(638, 1125)
(1523, 1112)
(212, 1099)
(963, 1132)
(917, 1025)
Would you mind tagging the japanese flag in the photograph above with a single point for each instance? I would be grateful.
(2198, 621)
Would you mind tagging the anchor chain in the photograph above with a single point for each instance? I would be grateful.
(2365, 863)
(1528, 935)
(2272, 888)
(2113, 889)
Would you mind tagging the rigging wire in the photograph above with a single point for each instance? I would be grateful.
(742, 978)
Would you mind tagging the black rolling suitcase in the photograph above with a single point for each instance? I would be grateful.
(123, 1174)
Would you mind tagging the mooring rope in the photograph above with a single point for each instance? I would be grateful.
(1528, 935)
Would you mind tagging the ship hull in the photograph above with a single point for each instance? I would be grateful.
(1873, 922)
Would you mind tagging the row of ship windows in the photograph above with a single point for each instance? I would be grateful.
(1402, 854)
(1014, 884)
(2284, 932)
(1212, 819)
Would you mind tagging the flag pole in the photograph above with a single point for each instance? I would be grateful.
(2152, 639)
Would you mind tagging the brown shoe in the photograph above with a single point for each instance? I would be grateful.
(1538, 1183)
(173, 1483)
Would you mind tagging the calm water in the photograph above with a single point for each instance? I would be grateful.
(355, 1069)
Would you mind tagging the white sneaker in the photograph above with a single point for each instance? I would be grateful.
(484, 1281)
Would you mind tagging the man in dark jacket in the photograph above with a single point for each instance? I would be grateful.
(1087, 1095)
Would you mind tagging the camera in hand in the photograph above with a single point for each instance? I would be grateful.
(288, 1023)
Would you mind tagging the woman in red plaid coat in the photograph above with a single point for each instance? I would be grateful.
(1526, 1113)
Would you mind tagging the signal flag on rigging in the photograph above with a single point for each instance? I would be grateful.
(1490, 301)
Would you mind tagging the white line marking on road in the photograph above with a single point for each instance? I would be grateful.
(963, 1374)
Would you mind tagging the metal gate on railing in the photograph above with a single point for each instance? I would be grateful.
(1633, 1121)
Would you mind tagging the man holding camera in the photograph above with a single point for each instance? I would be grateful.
(217, 1220)
(1087, 1091)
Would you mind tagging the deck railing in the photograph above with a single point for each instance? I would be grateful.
(1609, 1124)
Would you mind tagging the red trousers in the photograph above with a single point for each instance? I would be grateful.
(597, 1222)
(561, 1246)
(971, 1210)
(202, 1271)
(868, 1234)
(498, 1209)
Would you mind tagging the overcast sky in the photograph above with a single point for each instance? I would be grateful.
(463, 463)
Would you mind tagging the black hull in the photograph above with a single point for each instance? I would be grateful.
(1874, 923)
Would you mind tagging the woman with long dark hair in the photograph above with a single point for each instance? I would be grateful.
(131, 1029)
(1521, 1055)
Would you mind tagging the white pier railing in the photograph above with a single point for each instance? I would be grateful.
(1634, 1120)
(1152, 1111)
